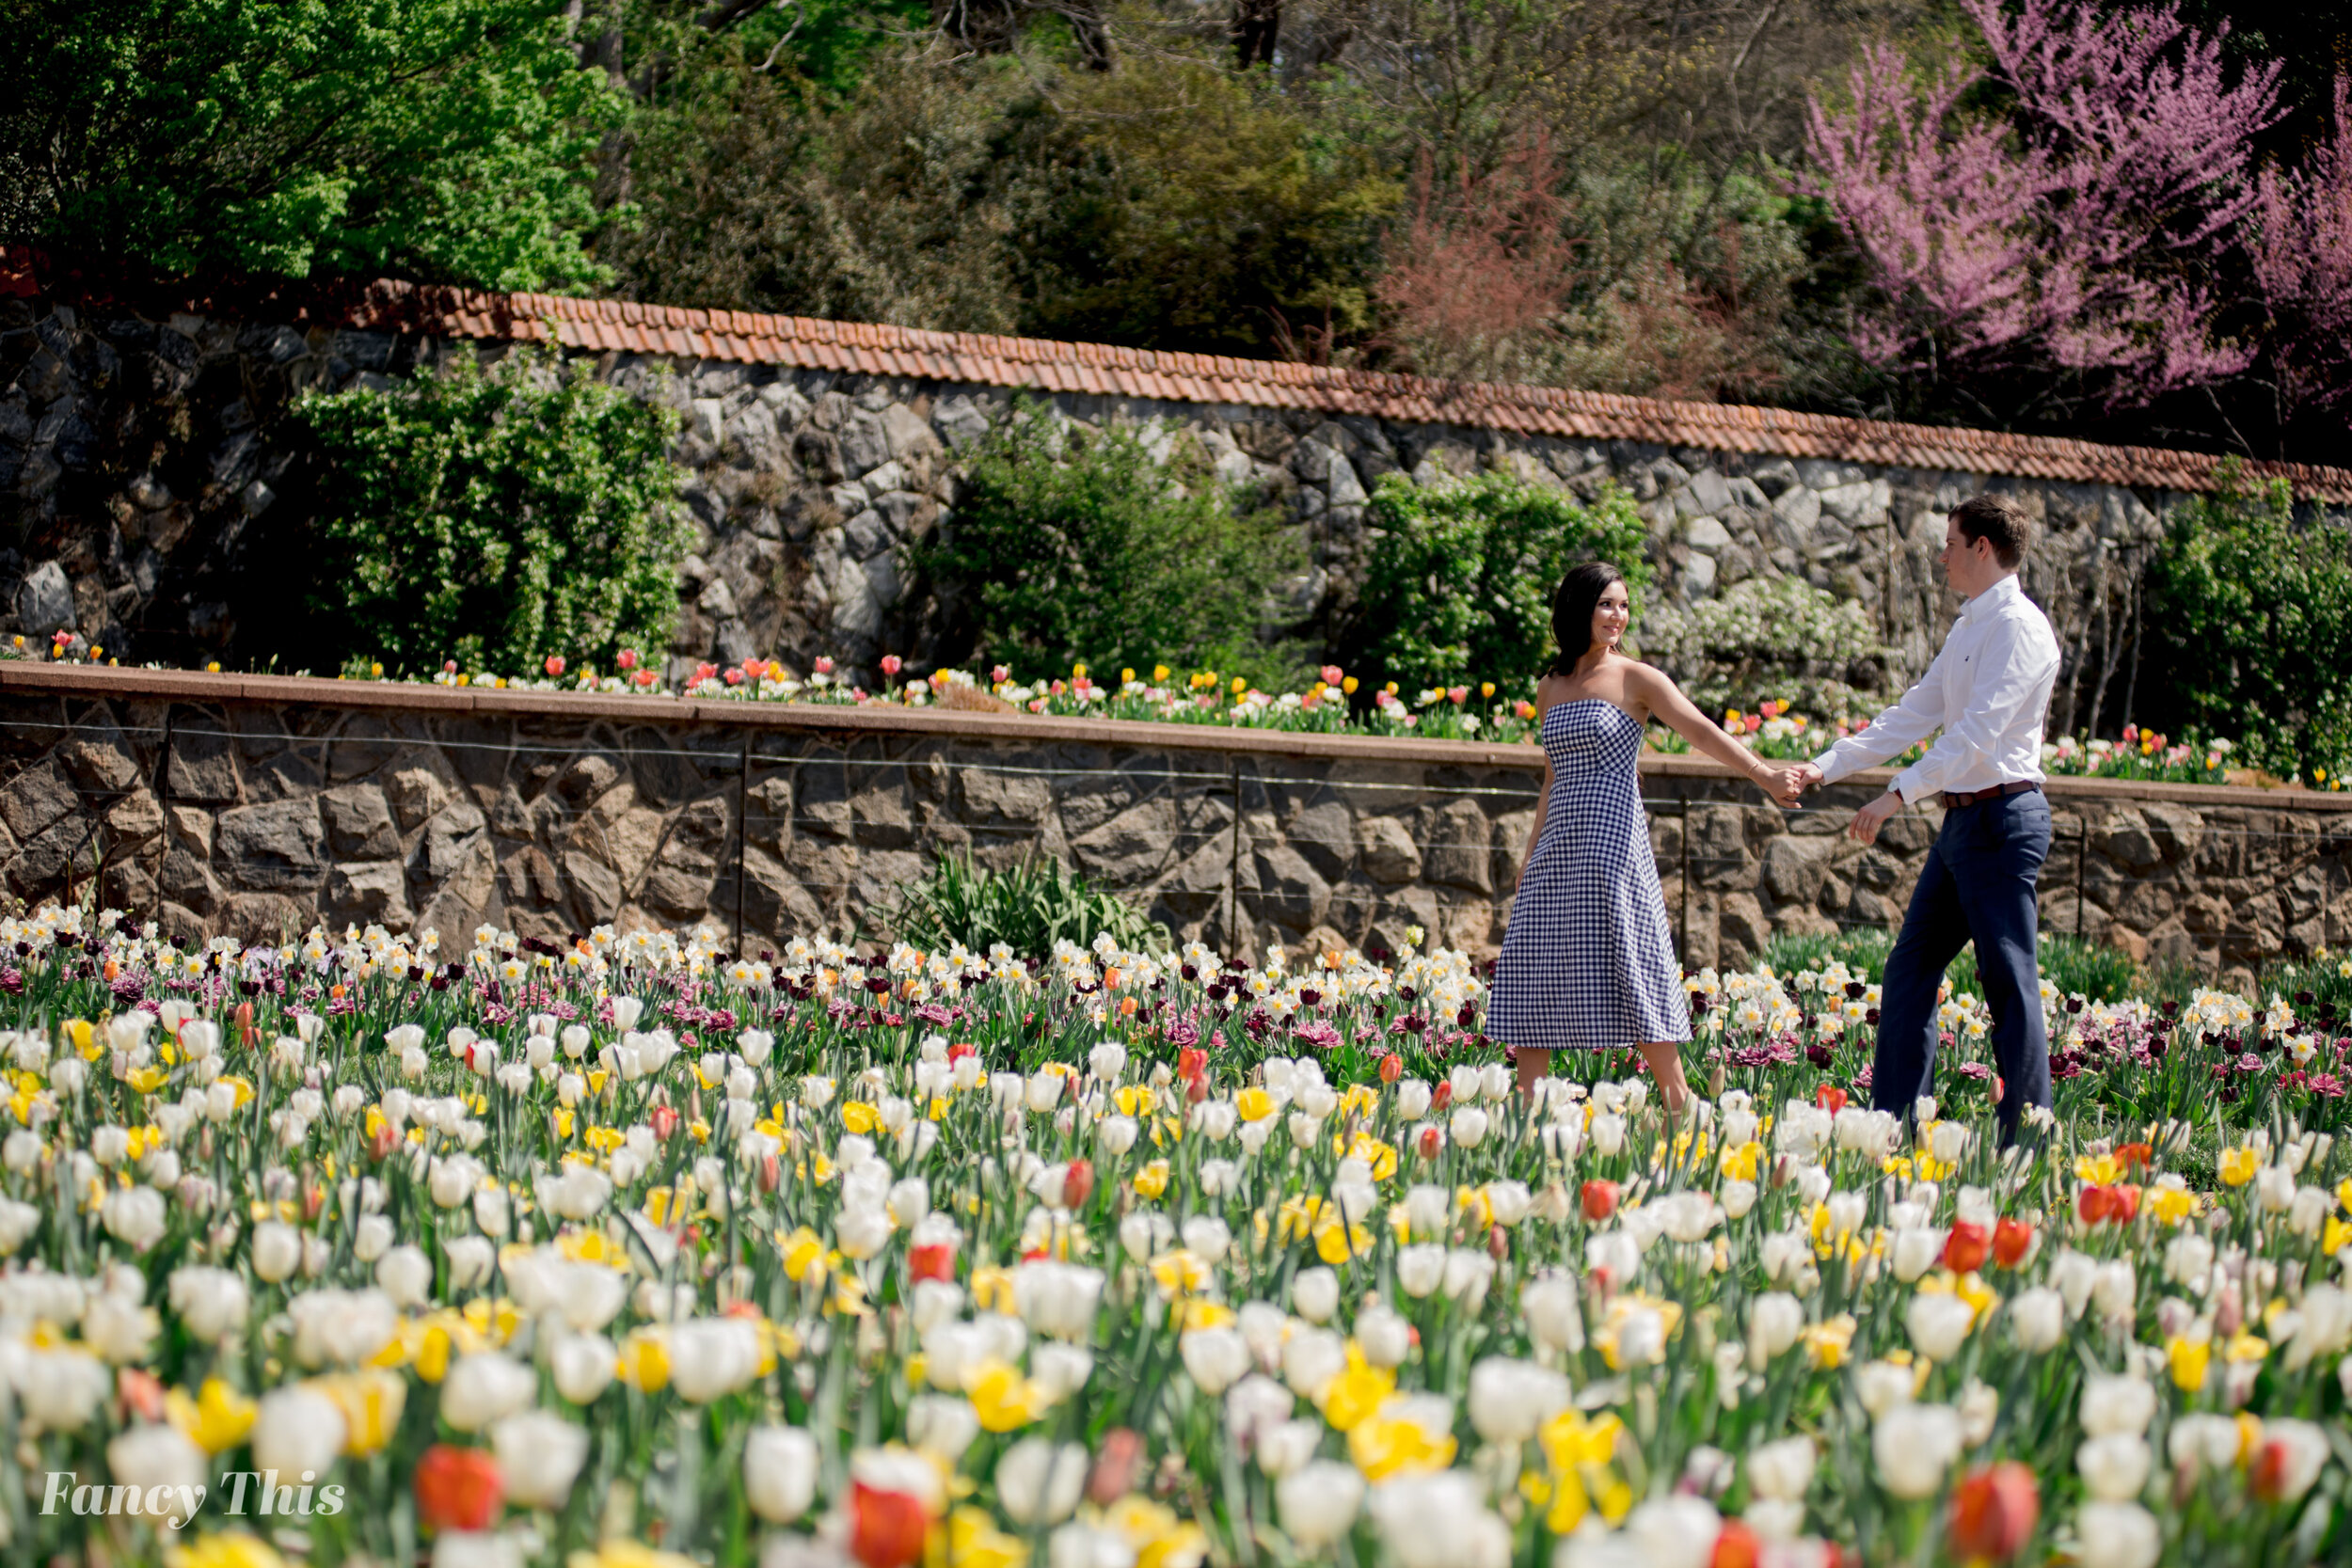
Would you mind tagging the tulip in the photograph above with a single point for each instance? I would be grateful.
(2118, 1535)
(1440, 1520)
(1038, 1482)
(1599, 1200)
(1318, 1502)
(1938, 1325)
(459, 1489)
(1912, 1445)
(779, 1472)
(484, 1388)
(1993, 1511)
(539, 1455)
(277, 1250)
(1509, 1400)
(2111, 1403)
(585, 1366)
(2114, 1466)
(297, 1429)
(2292, 1453)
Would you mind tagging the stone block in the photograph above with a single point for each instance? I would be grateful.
(274, 848)
(448, 838)
(2178, 830)
(1388, 852)
(358, 823)
(369, 890)
(1457, 846)
(255, 918)
(415, 793)
(2123, 836)
(1288, 890)
(1324, 833)
(880, 816)
(774, 901)
(684, 887)
(134, 819)
(44, 602)
(36, 798)
(596, 887)
(1130, 847)
(203, 770)
(768, 810)
(993, 799)
(1719, 848)
(100, 764)
(1793, 867)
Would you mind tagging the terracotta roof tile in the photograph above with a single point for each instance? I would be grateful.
(875, 349)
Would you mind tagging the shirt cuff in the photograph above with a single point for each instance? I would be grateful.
(1912, 786)
(1832, 765)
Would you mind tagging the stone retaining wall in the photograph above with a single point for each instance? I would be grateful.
(251, 806)
(153, 476)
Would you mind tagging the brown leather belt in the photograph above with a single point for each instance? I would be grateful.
(1956, 798)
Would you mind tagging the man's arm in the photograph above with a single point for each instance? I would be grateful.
(2016, 665)
(1919, 715)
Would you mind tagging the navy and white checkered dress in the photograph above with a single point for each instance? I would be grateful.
(1588, 962)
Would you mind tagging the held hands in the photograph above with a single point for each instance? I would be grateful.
(1787, 782)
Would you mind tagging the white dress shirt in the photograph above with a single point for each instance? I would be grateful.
(1988, 690)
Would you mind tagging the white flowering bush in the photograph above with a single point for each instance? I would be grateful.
(1776, 637)
(643, 1252)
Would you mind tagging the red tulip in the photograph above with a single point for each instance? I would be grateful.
(1736, 1547)
(1965, 1248)
(459, 1489)
(2012, 1242)
(1600, 1200)
(1830, 1097)
(1191, 1062)
(1432, 1140)
(935, 1261)
(886, 1529)
(1441, 1097)
(1392, 1068)
(1994, 1513)
(665, 1120)
(1077, 1182)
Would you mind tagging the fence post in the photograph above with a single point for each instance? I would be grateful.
(1684, 899)
(743, 832)
(2082, 857)
(162, 790)
(1233, 881)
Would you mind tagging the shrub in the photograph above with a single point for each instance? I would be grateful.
(1767, 638)
(1461, 575)
(1028, 908)
(2099, 973)
(494, 517)
(2250, 618)
(1072, 543)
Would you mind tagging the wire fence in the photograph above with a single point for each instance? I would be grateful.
(680, 845)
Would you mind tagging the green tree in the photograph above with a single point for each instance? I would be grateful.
(444, 138)
(2251, 616)
(1071, 545)
(1459, 585)
(493, 517)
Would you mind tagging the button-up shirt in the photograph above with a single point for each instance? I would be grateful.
(1988, 690)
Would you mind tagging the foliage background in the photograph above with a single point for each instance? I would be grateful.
(2252, 629)
(495, 516)
(1068, 543)
(1459, 585)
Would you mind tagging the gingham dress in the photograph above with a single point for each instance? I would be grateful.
(1588, 963)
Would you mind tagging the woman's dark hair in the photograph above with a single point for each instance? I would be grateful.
(1572, 611)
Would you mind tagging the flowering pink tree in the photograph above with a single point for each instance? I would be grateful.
(2299, 251)
(2078, 232)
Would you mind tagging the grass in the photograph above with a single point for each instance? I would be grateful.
(1028, 907)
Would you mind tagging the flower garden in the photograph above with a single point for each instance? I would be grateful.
(641, 1252)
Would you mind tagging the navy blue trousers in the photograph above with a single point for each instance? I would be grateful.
(1978, 885)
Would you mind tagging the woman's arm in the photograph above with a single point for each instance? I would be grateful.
(1667, 703)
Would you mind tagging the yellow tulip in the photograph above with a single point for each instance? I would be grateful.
(2189, 1359)
(645, 1360)
(1253, 1104)
(230, 1549)
(1151, 1181)
(216, 1420)
(372, 1401)
(1004, 1399)
(2238, 1165)
(1357, 1394)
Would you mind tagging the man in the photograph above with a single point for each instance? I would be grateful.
(1987, 691)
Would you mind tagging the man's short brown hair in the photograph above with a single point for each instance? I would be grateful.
(2000, 519)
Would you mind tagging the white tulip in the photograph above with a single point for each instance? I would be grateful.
(779, 1472)
(1914, 1445)
(1316, 1294)
(1510, 1399)
(1318, 1502)
(2117, 1535)
(585, 1366)
(2114, 1467)
(61, 1389)
(297, 1429)
(2111, 1403)
(157, 1454)
(1938, 1325)
(405, 1275)
(1554, 1315)
(212, 1302)
(134, 1216)
(539, 1455)
(711, 1357)
(1216, 1358)
(277, 1251)
(1440, 1520)
(1782, 1470)
(2038, 1318)
(1040, 1484)
(484, 1388)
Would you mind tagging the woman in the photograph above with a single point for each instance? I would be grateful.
(1588, 961)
